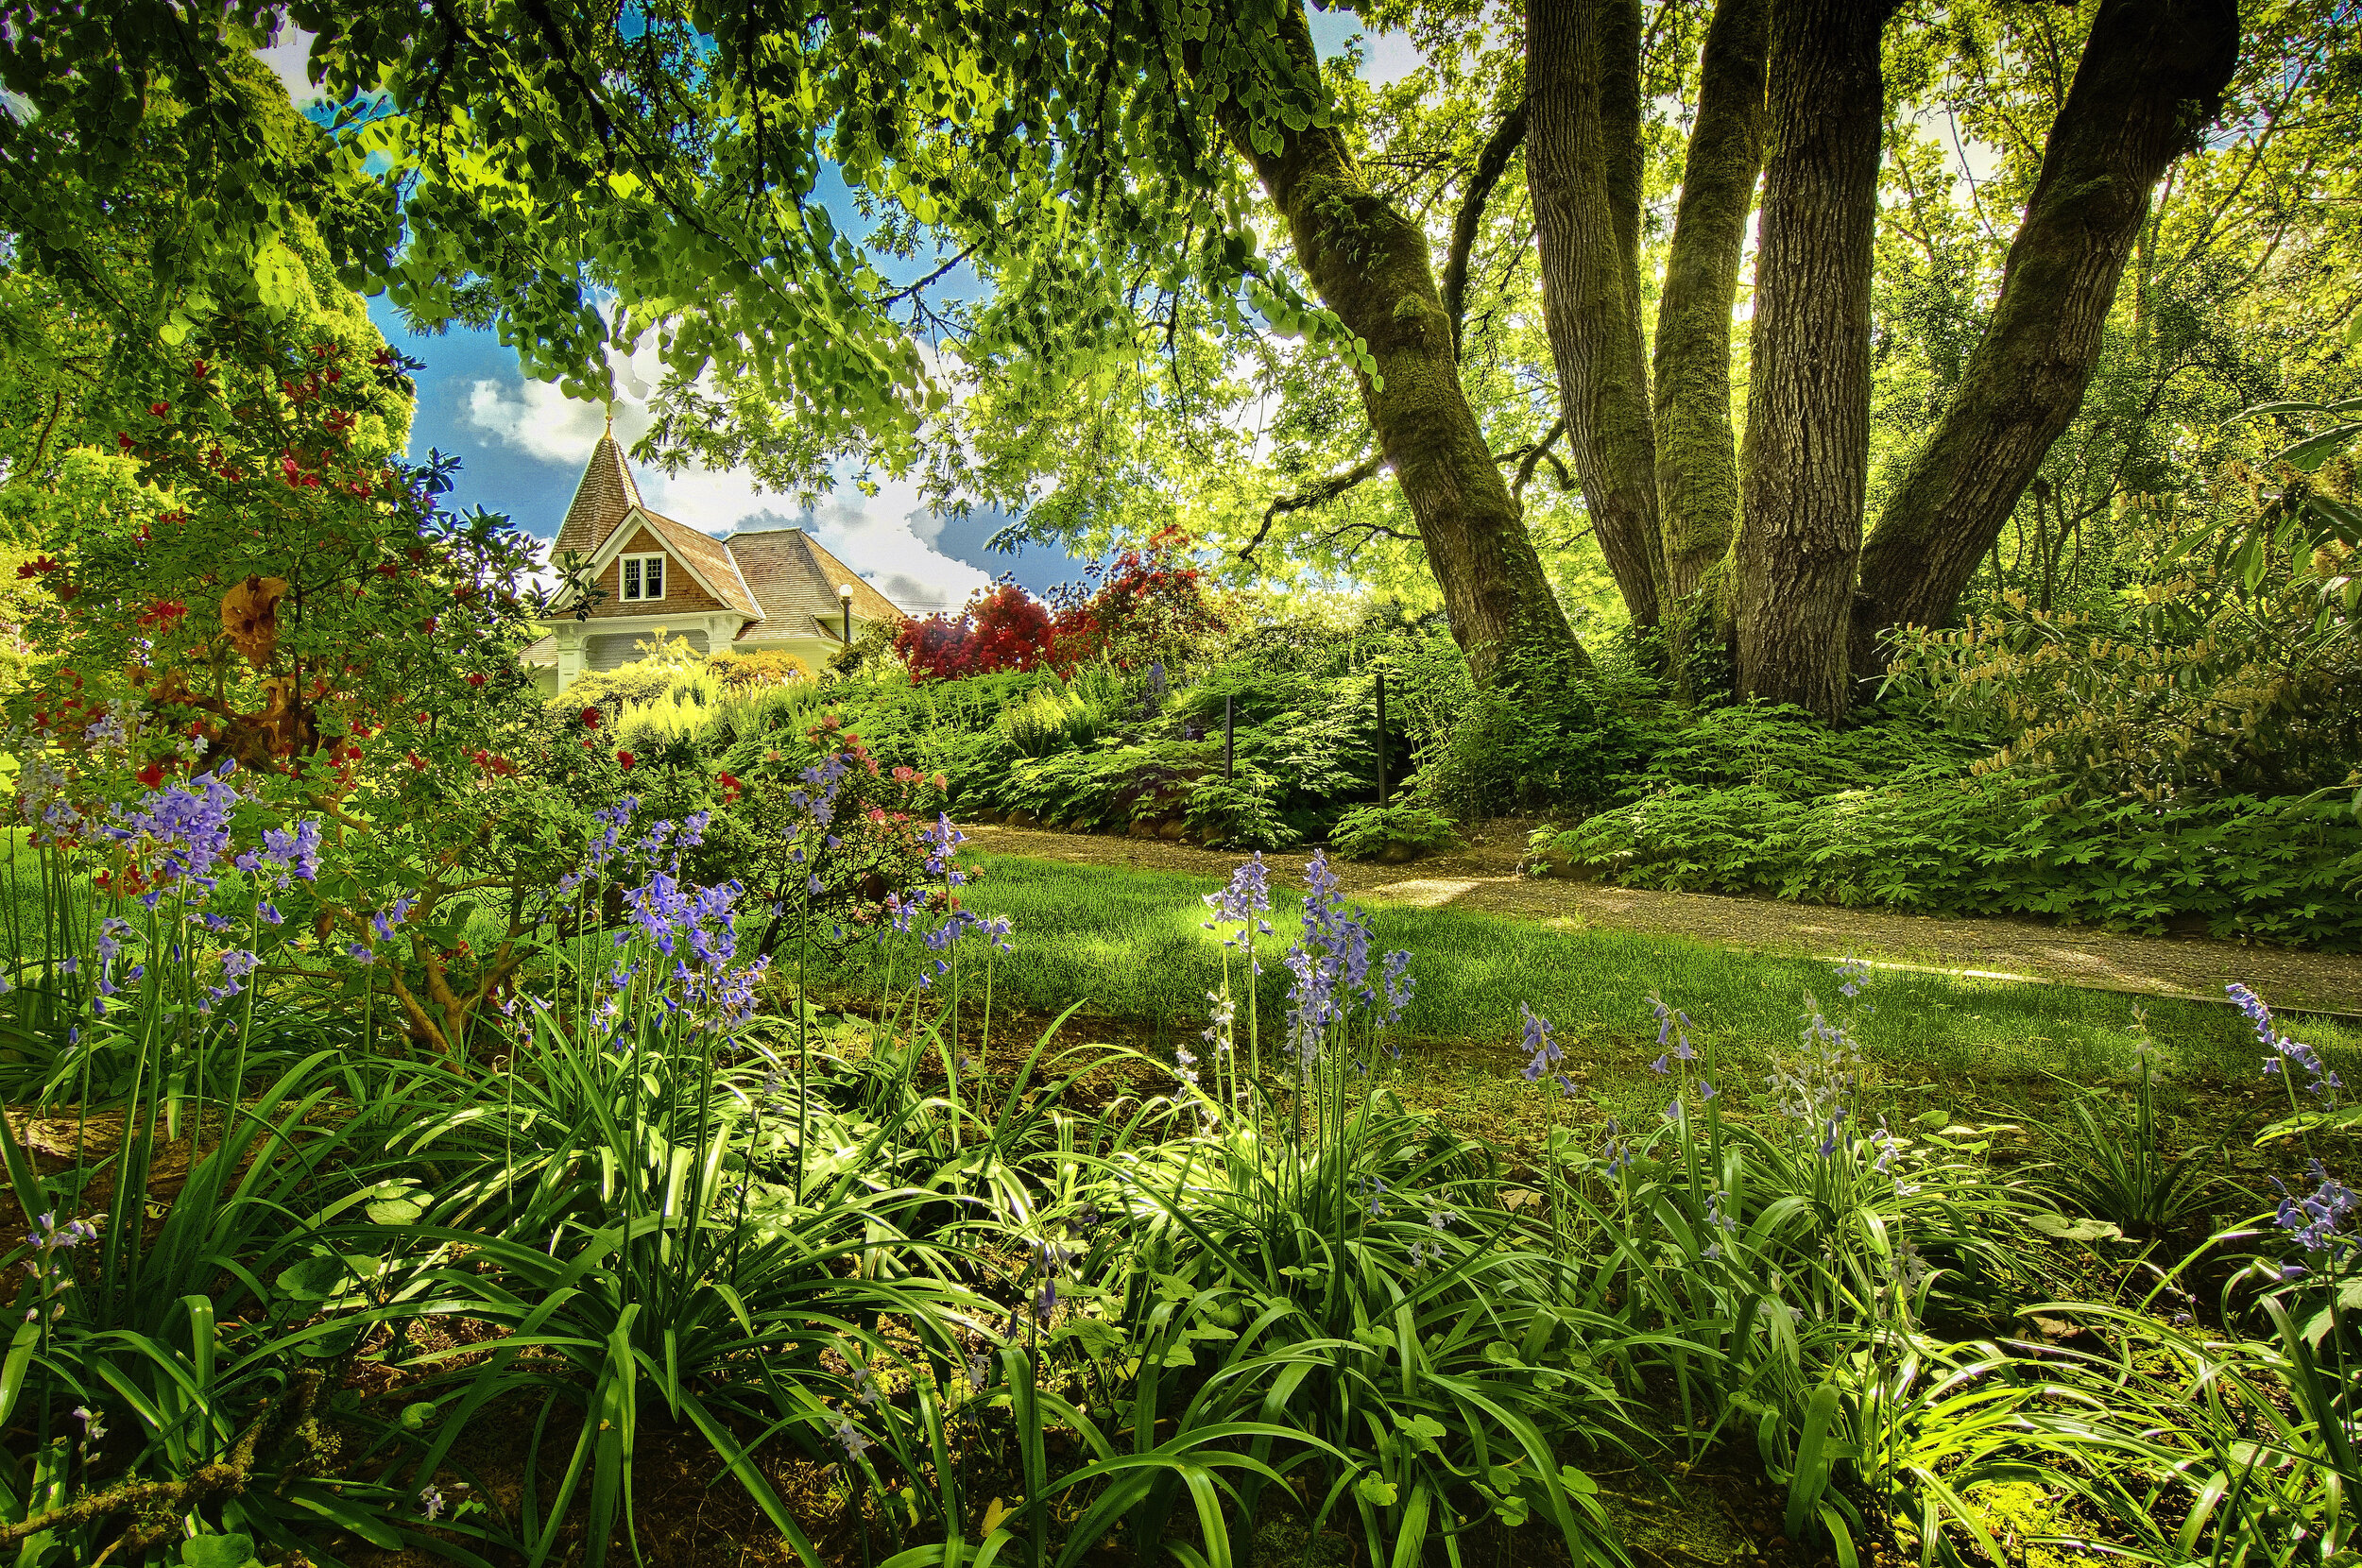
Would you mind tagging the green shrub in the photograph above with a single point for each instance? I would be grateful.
(1369, 832)
(1546, 734)
(1053, 717)
(765, 667)
(2286, 870)
(1238, 813)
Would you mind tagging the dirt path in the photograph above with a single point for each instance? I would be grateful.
(1483, 877)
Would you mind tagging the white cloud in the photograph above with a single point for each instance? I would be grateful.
(888, 538)
(288, 57)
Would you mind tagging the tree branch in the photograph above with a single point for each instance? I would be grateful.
(1534, 455)
(1491, 163)
(889, 300)
(1319, 492)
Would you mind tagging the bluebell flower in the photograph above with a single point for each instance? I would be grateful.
(850, 1438)
(2313, 1221)
(2321, 1083)
(1244, 901)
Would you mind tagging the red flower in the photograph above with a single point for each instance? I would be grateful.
(731, 786)
(198, 369)
(590, 718)
(477, 679)
(39, 566)
(418, 762)
(161, 411)
(388, 569)
(125, 441)
(165, 614)
(623, 760)
(152, 774)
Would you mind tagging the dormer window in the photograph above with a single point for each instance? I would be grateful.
(644, 578)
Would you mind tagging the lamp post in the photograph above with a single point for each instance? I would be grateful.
(845, 597)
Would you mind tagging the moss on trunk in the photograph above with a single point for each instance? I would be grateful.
(1369, 262)
(2151, 74)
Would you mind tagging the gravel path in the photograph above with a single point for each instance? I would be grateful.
(1483, 877)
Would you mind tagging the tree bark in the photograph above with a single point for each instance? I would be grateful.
(1369, 262)
(1806, 459)
(1697, 455)
(1491, 163)
(2152, 72)
(1582, 164)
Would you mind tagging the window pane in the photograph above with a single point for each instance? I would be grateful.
(655, 577)
(631, 579)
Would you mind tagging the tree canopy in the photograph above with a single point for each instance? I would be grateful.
(1124, 268)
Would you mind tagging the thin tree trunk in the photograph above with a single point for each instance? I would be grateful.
(1582, 164)
(1369, 262)
(1807, 454)
(1697, 456)
(2152, 72)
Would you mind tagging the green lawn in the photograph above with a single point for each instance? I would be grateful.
(1131, 946)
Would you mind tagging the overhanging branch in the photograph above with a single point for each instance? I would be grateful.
(1491, 163)
(1319, 492)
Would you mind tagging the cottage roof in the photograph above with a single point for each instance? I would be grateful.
(795, 581)
(606, 493)
(710, 557)
(780, 578)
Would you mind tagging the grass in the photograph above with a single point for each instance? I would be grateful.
(1131, 946)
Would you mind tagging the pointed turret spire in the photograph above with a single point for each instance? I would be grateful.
(606, 493)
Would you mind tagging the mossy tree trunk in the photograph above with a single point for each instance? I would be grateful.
(1659, 469)
(2152, 72)
(1697, 456)
(1806, 459)
(1582, 73)
(1369, 262)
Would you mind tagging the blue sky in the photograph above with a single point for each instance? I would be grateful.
(522, 444)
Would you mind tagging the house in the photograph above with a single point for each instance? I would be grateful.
(760, 591)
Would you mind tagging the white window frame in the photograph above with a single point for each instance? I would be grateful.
(626, 579)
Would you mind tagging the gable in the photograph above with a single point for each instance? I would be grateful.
(682, 590)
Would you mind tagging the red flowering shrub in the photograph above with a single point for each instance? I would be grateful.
(1149, 604)
(1002, 627)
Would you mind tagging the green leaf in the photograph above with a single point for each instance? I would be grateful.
(2060, 1226)
(1374, 1490)
(398, 1203)
(219, 1551)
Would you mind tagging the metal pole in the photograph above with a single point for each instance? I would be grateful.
(1229, 765)
(848, 622)
(1381, 737)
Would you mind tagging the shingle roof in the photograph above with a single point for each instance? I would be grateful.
(795, 580)
(712, 557)
(780, 577)
(606, 493)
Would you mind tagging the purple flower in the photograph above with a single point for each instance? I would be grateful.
(2313, 1221)
(2321, 1083)
(1243, 902)
(1331, 965)
(184, 829)
(1541, 1050)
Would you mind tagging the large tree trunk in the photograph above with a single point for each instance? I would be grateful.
(1369, 262)
(2152, 73)
(1582, 162)
(1807, 453)
(1697, 456)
